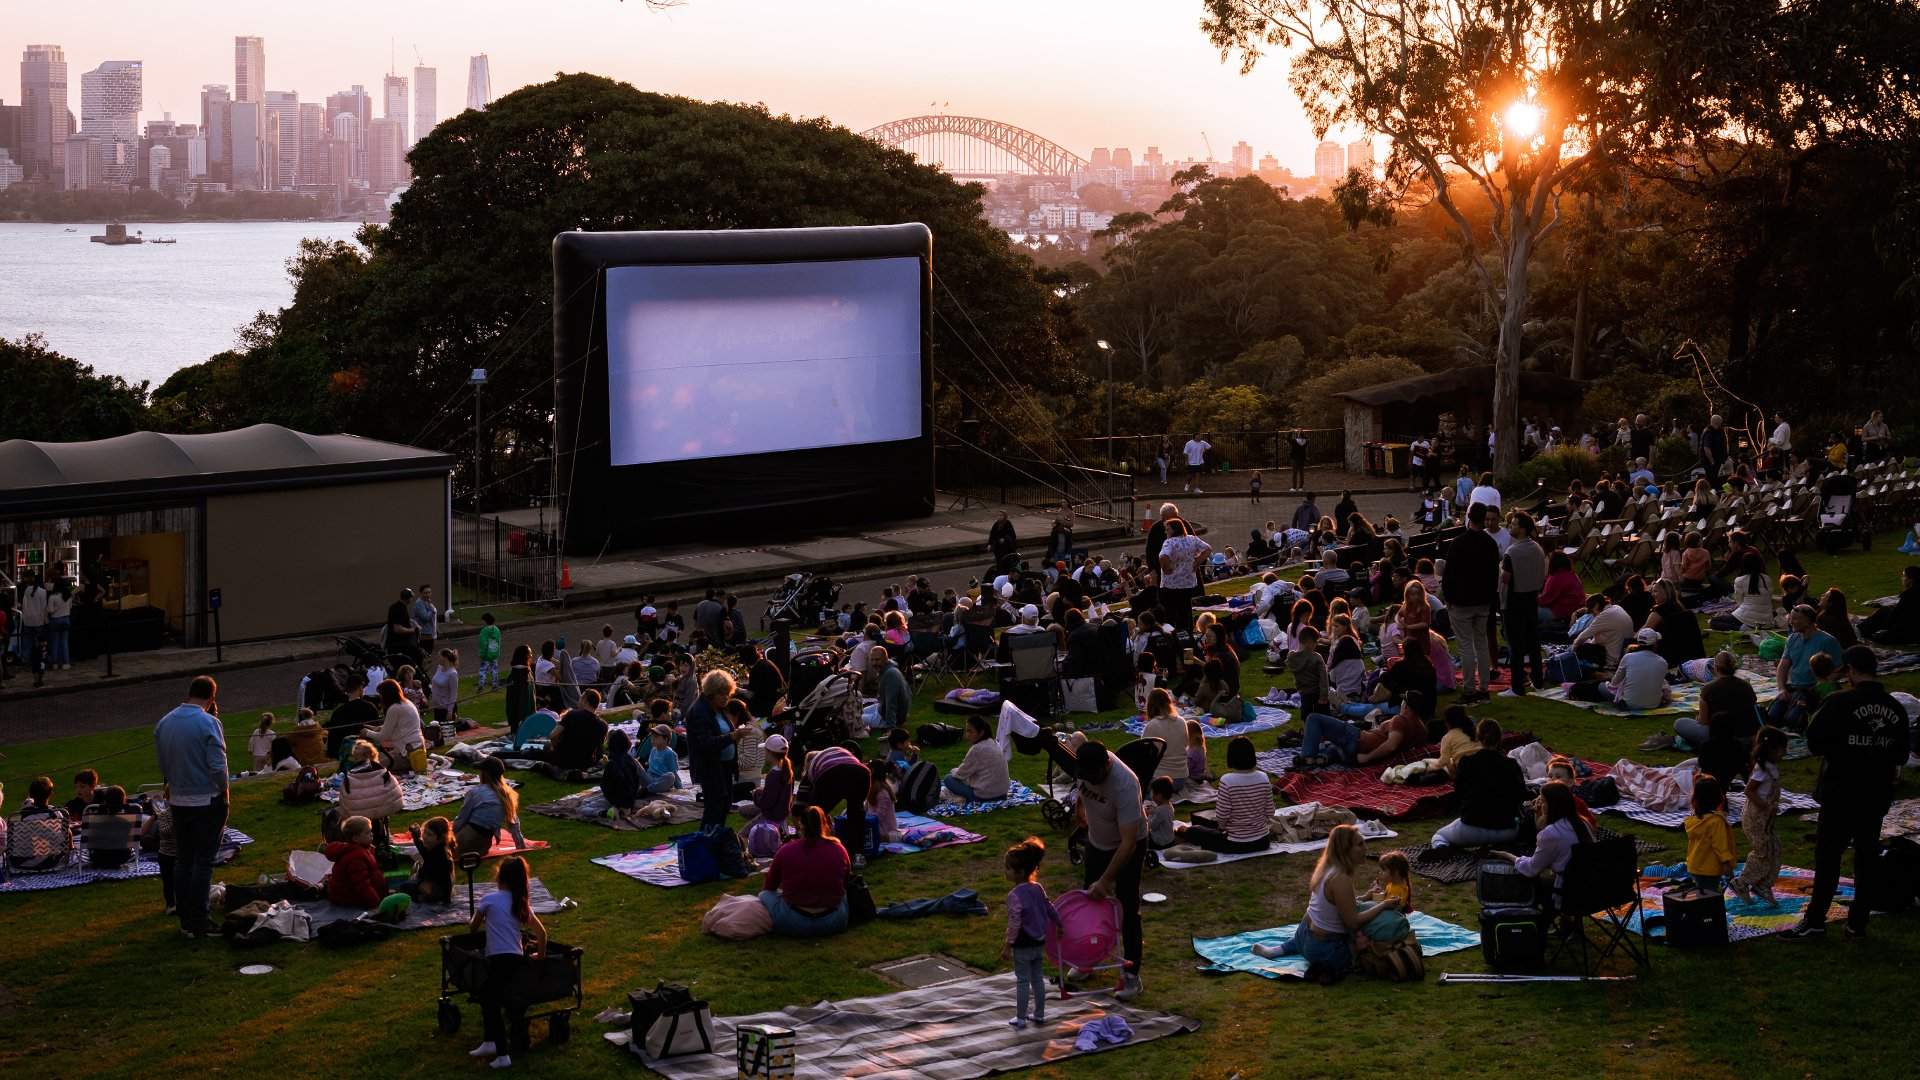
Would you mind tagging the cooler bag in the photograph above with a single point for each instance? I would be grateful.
(1695, 919)
(698, 861)
(1511, 938)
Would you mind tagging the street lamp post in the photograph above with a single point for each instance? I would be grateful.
(1108, 486)
(477, 379)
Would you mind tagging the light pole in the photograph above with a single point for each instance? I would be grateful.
(1108, 350)
(477, 379)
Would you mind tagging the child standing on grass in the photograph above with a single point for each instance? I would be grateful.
(489, 676)
(260, 744)
(1763, 802)
(1709, 837)
(1196, 753)
(506, 916)
(1029, 913)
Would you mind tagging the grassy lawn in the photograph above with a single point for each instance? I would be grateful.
(96, 980)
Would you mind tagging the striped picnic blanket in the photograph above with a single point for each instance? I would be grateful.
(1736, 804)
(1746, 919)
(1266, 718)
(143, 865)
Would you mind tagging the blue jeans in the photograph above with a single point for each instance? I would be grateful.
(961, 788)
(1333, 737)
(790, 923)
(1691, 730)
(1334, 955)
(662, 783)
(1029, 976)
(60, 629)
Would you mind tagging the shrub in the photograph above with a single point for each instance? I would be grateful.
(1671, 455)
(1554, 468)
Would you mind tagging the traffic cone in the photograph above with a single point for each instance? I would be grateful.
(566, 576)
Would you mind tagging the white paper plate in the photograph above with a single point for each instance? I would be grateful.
(1154, 897)
(257, 969)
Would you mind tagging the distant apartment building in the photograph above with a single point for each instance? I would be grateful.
(1242, 158)
(10, 130)
(386, 155)
(159, 164)
(426, 102)
(10, 171)
(360, 104)
(246, 127)
(250, 69)
(1360, 156)
(43, 113)
(1102, 159)
(1123, 162)
(282, 140)
(393, 94)
(216, 119)
(479, 82)
(1329, 163)
(85, 165)
(313, 129)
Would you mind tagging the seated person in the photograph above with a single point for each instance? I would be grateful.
(1640, 681)
(85, 783)
(773, 799)
(1600, 642)
(109, 830)
(39, 791)
(578, 741)
(1899, 624)
(1328, 740)
(1679, 627)
(1562, 596)
(982, 775)
(620, 781)
(486, 808)
(1333, 915)
(805, 890)
(901, 753)
(432, 880)
(1559, 826)
(368, 790)
(1243, 814)
(1459, 739)
(1490, 788)
(663, 765)
(355, 880)
(1159, 814)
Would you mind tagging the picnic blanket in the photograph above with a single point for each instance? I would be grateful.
(502, 845)
(1235, 951)
(79, 872)
(421, 790)
(1360, 788)
(919, 834)
(1659, 795)
(1370, 829)
(1685, 697)
(1902, 821)
(591, 806)
(948, 1031)
(1018, 794)
(424, 916)
(1746, 919)
(1266, 718)
(661, 865)
(1453, 865)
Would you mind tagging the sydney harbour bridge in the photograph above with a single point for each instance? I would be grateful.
(973, 146)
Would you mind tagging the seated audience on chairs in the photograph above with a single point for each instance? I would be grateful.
(1490, 788)
(982, 775)
(108, 829)
(1899, 624)
(86, 783)
(1243, 813)
(1559, 827)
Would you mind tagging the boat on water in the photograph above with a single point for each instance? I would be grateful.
(163, 240)
(116, 236)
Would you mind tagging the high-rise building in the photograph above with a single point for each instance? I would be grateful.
(282, 136)
(386, 155)
(10, 130)
(84, 164)
(1360, 156)
(1153, 165)
(110, 100)
(1242, 158)
(247, 129)
(360, 104)
(393, 92)
(1329, 162)
(159, 161)
(216, 119)
(197, 157)
(1123, 162)
(348, 133)
(479, 82)
(426, 101)
(313, 128)
(1102, 158)
(249, 69)
(10, 172)
(43, 112)
(337, 162)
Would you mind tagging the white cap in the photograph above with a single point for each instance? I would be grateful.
(776, 743)
(1647, 635)
(630, 640)
(1006, 591)
(1030, 613)
(648, 610)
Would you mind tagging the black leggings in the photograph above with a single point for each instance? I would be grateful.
(500, 1016)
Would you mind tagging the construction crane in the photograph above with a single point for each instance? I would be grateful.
(417, 58)
(1209, 142)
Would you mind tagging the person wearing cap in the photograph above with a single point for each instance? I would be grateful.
(663, 765)
(1860, 736)
(773, 799)
(1640, 680)
(1029, 621)
(628, 653)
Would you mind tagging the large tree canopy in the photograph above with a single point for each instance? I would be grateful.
(53, 398)
(380, 341)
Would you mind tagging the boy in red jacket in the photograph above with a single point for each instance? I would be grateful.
(356, 880)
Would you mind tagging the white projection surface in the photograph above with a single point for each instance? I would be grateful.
(708, 361)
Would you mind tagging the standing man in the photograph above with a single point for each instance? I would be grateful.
(1115, 856)
(1297, 451)
(710, 615)
(1418, 453)
(1641, 437)
(1781, 441)
(401, 634)
(1523, 575)
(1196, 451)
(427, 618)
(1860, 735)
(1157, 533)
(1000, 538)
(33, 627)
(1468, 586)
(192, 749)
(1713, 447)
(1306, 516)
(1875, 436)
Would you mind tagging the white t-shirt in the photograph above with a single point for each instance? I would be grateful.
(1765, 782)
(1197, 451)
(1782, 436)
(543, 672)
(59, 605)
(1642, 679)
(1610, 629)
(1484, 495)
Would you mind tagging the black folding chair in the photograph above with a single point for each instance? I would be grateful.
(1032, 677)
(1601, 889)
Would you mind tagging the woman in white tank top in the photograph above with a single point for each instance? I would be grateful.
(1325, 933)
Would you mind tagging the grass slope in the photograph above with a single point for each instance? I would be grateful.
(96, 975)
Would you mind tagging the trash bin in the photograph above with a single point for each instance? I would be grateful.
(1374, 460)
(1395, 460)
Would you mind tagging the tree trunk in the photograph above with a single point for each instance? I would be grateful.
(1506, 366)
(1577, 368)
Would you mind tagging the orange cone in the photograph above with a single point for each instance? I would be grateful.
(566, 576)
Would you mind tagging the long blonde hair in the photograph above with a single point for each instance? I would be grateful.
(1160, 703)
(493, 773)
(1345, 847)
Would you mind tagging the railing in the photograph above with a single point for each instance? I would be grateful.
(1264, 448)
(970, 471)
(496, 562)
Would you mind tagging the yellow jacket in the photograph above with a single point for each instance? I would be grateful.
(1709, 845)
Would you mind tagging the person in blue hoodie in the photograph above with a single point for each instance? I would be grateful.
(192, 750)
(663, 765)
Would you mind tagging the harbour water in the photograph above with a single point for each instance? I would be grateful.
(145, 311)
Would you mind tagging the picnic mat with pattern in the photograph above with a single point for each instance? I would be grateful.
(421, 790)
(1902, 821)
(591, 806)
(661, 865)
(78, 872)
(1265, 718)
(1453, 865)
(1018, 794)
(1736, 804)
(1235, 951)
(1370, 829)
(424, 916)
(1686, 697)
(502, 845)
(1746, 919)
(949, 1031)
(1360, 788)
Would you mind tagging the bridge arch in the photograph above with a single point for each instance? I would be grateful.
(1043, 156)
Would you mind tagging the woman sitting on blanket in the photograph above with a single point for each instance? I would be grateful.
(621, 781)
(806, 886)
(1560, 828)
(1491, 790)
(1164, 722)
(982, 775)
(1243, 814)
(488, 807)
(369, 790)
(1325, 936)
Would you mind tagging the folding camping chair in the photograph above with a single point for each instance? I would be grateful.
(1601, 887)
(1032, 677)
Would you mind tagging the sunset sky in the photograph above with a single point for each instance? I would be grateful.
(1084, 73)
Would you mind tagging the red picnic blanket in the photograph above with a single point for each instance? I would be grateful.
(1361, 789)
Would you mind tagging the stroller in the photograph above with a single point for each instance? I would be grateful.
(802, 599)
(1088, 937)
(830, 713)
(1840, 516)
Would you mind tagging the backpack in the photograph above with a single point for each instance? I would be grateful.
(936, 735)
(1400, 961)
(40, 843)
(919, 789)
(303, 788)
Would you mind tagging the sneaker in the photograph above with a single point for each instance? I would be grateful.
(1129, 987)
(1855, 935)
(1017, 1023)
(1657, 741)
(1913, 761)
(1514, 691)
(484, 1050)
(501, 1062)
(1801, 931)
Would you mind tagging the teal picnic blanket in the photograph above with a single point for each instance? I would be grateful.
(1235, 951)
(1686, 698)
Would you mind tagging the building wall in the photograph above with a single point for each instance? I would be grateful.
(316, 559)
(1363, 426)
(166, 555)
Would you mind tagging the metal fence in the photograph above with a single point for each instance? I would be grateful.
(499, 562)
(1250, 449)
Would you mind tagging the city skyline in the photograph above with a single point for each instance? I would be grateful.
(753, 50)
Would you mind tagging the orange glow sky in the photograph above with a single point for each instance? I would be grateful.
(1084, 73)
